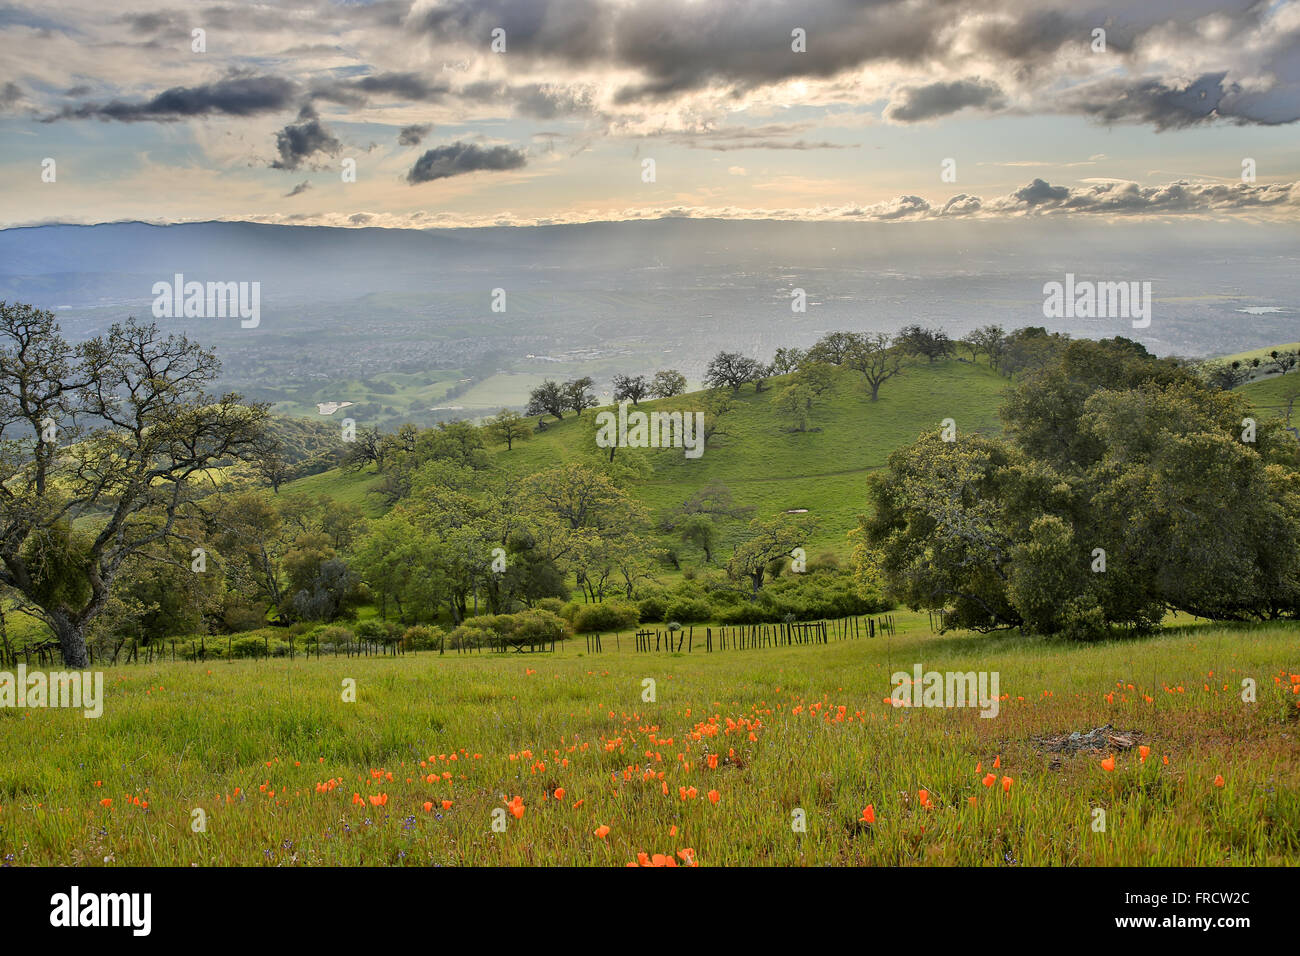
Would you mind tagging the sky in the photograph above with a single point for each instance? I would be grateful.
(521, 112)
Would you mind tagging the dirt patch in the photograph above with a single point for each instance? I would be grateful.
(1099, 740)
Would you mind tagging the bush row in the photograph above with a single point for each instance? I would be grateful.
(822, 593)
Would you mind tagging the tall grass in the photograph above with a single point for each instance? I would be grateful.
(273, 756)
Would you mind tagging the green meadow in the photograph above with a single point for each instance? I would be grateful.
(765, 756)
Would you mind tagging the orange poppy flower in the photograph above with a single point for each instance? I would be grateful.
(446, 804)
(714, 796)
(989, 779)
(1143, 752)
(1108, 764)
(1218, 780)
(602, 831)
(1006, 784)
(869, 814)
(428, 806)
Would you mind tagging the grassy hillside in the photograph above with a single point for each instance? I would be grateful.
(773, 469)
(769, 467)
(350, 487)
(1260, 353)
(1270, 396)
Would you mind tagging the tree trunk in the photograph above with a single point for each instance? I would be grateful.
(72, 641)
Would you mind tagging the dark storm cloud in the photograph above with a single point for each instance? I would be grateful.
(300, 140)
(680, 46)
(357, 91)
(299, 189)
(460, 158)
(241, 95)
(1166, 106)
(574, 31)
(1034, 38)
(919, 103)
(412, 135)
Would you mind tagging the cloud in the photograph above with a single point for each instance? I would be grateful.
(10, 95)
(919, 103)
(299, 189)
(155, 22)
(460, 158)
(300, 140)
(1109, 198)
(359, 90)
(903, 207)
(1150, 101)
(770, 136)
(240, 95)
(1032, 56)
(961, 205)
(1040, 191)
(537, 100)
(1128, 198)
(413, 135)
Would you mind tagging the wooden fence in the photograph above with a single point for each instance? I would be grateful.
(647, 641)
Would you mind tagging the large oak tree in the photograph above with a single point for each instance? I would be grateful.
(103, 449)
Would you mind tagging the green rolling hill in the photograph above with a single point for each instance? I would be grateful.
(769, 467)
(765, 465)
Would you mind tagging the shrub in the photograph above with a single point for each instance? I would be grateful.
(552, 604)
(330, 636)
(606, 616)
(378, 631)
(475, 632)
(538, 625)
(825, 561)
(688, 610)
(652, 608)
(749, 612)
(256, 645)
(423, 637)
(487, 630)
